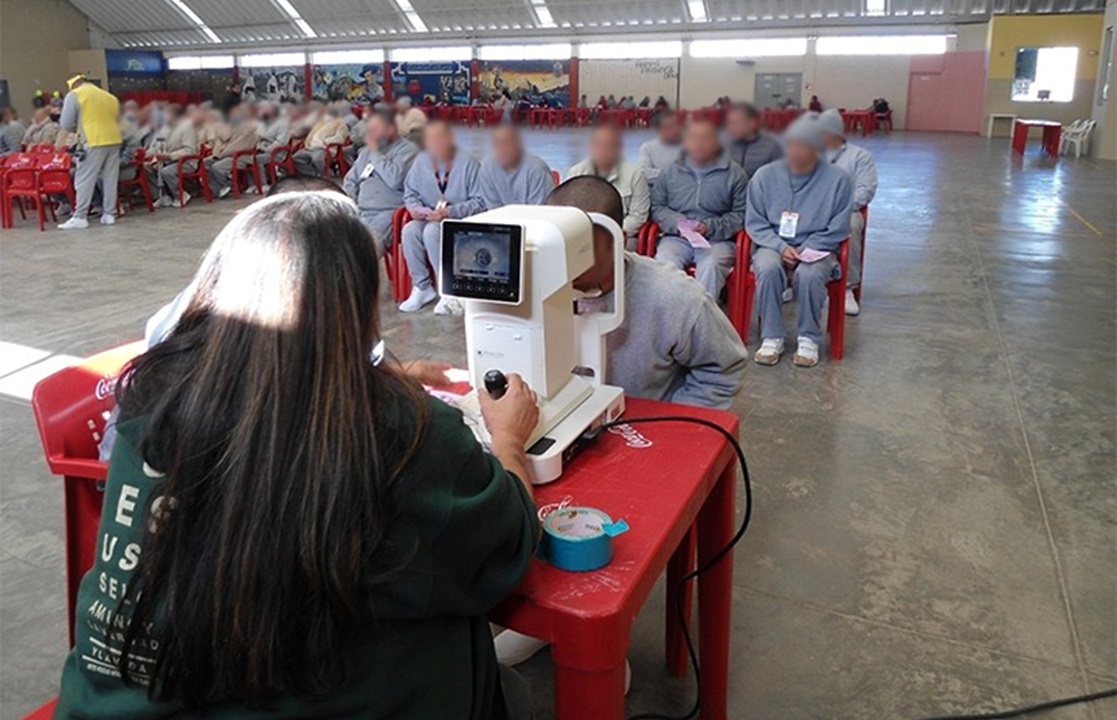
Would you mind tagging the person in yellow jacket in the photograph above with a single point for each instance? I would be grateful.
(95, 116)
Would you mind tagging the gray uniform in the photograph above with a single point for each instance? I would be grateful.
(714, 195)
(271, 135)
(182, 141)
(862, 170)
(375, 182)
(528, 184)
(756, 153)
(243, 137)
(422, 190)
(655, 156)
(822, 200)
(11, 137)
(675, 344)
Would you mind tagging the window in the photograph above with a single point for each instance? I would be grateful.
(876, 7)
(631, 50)
(272, 59)
(755, 47)
(347, 57)
(200, 62)
(1045, 74)
(558, 51)
(881, 45)
(435, 54)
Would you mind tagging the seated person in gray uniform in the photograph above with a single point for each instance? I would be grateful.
(674, 344)
(748, 146)
(376, 179)
(862, 170)
(162, 172)
(443, 183)
(242, 137)
(273, 130)
(798, 203)
(704, 192)
(511, 176)
(661, 152)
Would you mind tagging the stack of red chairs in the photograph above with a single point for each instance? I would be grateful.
(34, 177)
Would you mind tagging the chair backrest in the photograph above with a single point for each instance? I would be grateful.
(19, 172)
(71, 406)
(55, 161)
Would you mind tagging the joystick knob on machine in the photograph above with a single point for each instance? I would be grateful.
(496, 384)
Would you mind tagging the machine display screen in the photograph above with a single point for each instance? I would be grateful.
(482, 261)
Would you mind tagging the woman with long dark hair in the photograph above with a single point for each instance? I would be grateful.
(290, 530)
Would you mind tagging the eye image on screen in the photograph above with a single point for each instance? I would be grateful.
(484, 255)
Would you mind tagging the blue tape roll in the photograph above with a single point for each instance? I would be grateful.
(580, 539)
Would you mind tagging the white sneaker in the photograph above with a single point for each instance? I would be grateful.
(788, 294)
(186, 197)
(108, 220)
(74, 223)
(852, 308)
(224, 192)
(417, 299)
(770, 351)
(448, 306)
(513, 648)
(264, 189)
(806, 355)
(163, 201)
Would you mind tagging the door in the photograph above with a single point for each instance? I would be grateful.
(774, 90)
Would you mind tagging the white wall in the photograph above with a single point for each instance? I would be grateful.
(637, 78)
(1104, 140)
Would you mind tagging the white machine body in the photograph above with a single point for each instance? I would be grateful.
(513, 270)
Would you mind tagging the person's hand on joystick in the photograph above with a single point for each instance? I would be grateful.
(510, 420)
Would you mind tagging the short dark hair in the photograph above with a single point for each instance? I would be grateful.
(590, 194)
(304, 183)
(660, 117)
(748, 109)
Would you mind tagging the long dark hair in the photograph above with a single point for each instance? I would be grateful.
(282, 447)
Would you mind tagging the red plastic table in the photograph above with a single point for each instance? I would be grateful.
(664, 479)
(1052, 133)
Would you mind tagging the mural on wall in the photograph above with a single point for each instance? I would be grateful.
(432, 83)
(277, 84)
(538, 81)
(362, 84)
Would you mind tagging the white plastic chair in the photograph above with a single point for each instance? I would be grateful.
(1078, 136)
(1068, 131)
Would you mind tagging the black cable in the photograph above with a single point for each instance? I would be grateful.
(1029, 709)
(680, 590)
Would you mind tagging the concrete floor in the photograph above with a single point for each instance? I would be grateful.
(936, 522)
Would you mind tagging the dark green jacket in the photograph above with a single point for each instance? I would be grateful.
(430, 652)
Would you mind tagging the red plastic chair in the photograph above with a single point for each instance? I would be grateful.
(282, 157)
(398, 275)
(126, 187)
(836, 317)
(19, 182)
(55, 178)
(200, 173)
(249, 169)
(71, 407)
(335, 155)
(556, 177)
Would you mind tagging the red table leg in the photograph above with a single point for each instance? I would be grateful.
(681, 563)
(716, 523)
(583, 695)
(1019, 137)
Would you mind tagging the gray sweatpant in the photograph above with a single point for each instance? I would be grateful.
(100, 163)
(711, 266)
(809, 282)
(311, 161)
(221, 173)
(421, 243)
(856, 237)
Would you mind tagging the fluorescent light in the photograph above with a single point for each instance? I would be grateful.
(697, 10)
(302, 25)
(347, 57)
(631, 50)
(305, 27)
(555, 51)
(412, 16)
(192, 16)
(754, 47)
(881, 45)
(544, 15)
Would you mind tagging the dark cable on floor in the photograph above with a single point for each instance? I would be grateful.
(1029, 709)
(680, 590)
